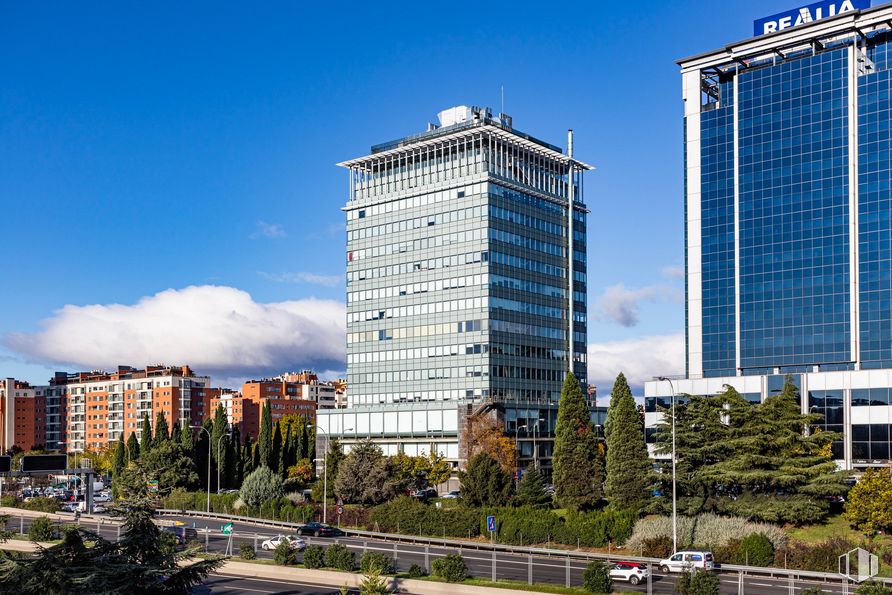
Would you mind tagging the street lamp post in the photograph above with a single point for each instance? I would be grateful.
(324, 475)
(674, 512)
(210, 440)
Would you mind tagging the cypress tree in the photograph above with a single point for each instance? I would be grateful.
(276, 457)
(161, 433)
(310, 436)
(175, 433)
(531, 489)
(287, 449)
(628, 482)
(247, 456)
(576, 475)
(300, 441)
(265, 436)
(120, 457)
(238, 461)
(187, 442)
(145, 444)
(132, 447)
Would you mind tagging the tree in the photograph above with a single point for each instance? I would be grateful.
(576, 468)
(483, 433)
(120, 456)
(869, 503)
(302, 471)
(261, 485)
(145, 443)
(219, 434)
(141, 561)
(187, 440)
(166, 462)
(265, 436)
(366, 476)
(278, 448)
(333, 461)
(175, 432)
(485, 482)
(531, 489)
(628, 482)
(162, 434)
(247, 457)
(132, 447)
(235, 452)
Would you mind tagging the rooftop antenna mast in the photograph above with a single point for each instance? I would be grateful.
(502, 89)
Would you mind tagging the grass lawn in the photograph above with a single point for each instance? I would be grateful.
(518, 585)
(837, 526)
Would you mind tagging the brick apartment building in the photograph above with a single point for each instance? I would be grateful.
(91, 410)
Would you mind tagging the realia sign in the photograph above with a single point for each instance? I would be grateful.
(806, 14)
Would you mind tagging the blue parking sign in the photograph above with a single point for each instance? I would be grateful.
(491, 523)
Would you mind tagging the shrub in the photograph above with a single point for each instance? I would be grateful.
(683, 583)
(705, 530)
(818, 557)
(246, 552)
(657, 547)
(725, 554)
(314, 556)
(704, 583)
(7, 501)
(375, 561)
(873, 588)
(284, 554)
(755, 550)
(451, 569)
(813, 591)
(596, 578)
(42, 504)
(338, 556)
(41, 529)
(260, 486)
(416, 571)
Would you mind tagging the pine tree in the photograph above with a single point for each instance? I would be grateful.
(576, 475)
(161, 433)
(120, 457)
(531, 489)
(265, 436)
(484, 482)
(132, 447)
(145, 444)
(276, 457)
(628, 481)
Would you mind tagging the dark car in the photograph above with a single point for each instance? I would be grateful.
(183, 534)
(319, 530)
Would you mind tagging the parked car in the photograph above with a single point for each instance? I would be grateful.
(319, 530)
(293, 540)
(688, 560)
(452, 495)
(628, 571)
(425, 493)
(102, 497)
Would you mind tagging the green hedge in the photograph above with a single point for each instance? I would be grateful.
(516, 526)
(279, 509)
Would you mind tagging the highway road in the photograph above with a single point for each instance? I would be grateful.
(232, 585)
(542, 568)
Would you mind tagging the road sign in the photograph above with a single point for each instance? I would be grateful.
(858, 565)
(340, 510)
(5, 464)
(226, 529)
(340, 501)
(38, 463)
(491, 523)
(152, 486)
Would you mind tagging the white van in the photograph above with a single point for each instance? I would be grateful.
(688, 560)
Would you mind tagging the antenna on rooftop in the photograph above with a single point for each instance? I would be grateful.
(502, 90)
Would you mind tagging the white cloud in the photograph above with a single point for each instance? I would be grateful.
(217, 330)
(268, 230)
(621, 305)
(673, 271)
(303, 277)
(640, 359)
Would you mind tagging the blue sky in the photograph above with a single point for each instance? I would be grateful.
(167, 171)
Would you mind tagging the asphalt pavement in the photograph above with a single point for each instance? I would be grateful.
(553, 569)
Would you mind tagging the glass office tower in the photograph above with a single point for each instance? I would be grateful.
(458, 285)
(788, 224)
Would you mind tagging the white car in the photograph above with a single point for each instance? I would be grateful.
(688, 560)
(452, 495)
(295, 542)
(633, 572)
(102, 497)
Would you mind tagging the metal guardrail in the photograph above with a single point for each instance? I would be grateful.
(769, 571)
